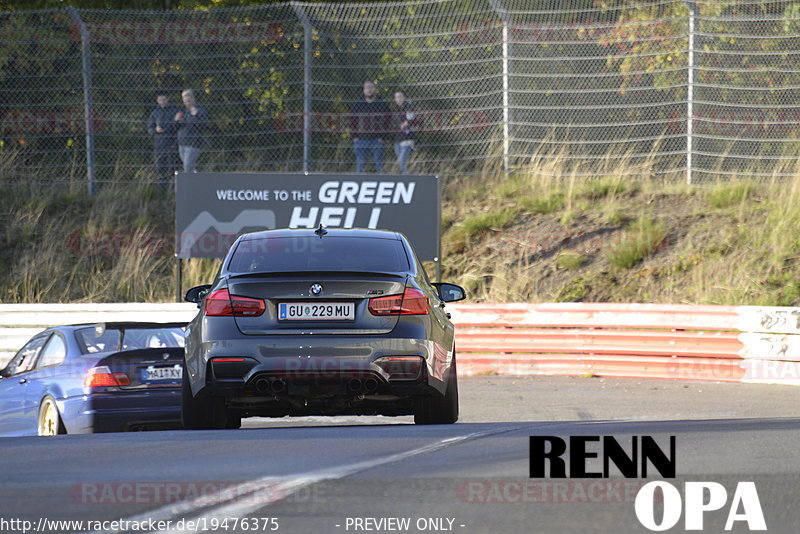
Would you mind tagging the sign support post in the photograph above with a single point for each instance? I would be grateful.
(178, 280)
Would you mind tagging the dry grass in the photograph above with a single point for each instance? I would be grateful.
(58, 244)
(732, 242)
(547, 232)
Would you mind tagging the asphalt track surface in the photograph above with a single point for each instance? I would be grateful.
(472, 477)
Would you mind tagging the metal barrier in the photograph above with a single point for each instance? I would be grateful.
(720, 343)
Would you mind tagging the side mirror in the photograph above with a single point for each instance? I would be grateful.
(197, 293)
(450, 292)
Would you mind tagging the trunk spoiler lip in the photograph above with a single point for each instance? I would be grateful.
(141, 350)
(134, 325)
(105, 356)
(311, 274)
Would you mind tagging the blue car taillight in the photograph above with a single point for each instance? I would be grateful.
(98, 377)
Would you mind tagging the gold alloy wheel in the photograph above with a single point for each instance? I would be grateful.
(49, 420)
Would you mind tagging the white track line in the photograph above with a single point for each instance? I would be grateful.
(261, 492)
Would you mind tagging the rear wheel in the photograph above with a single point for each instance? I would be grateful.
(439, 410)
(194, 414)
(233, 420)
(205, 413)
(50, 423)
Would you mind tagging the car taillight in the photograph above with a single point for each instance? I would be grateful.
(100, 377)
(411, 302)
(222, 303)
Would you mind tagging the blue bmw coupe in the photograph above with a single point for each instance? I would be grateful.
(105, 377)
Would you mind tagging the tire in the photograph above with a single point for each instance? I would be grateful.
(439, 410)
(205, 413)
(49, 422)
(192, 410)
(233, 420)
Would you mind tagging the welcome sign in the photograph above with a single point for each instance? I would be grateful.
(213, 209)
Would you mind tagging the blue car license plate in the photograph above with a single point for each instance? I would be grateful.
(152, 373)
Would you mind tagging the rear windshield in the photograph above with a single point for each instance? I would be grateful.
(92, 341)
(289, 254)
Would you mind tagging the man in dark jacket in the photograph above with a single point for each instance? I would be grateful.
(370, 126)
(191, 123)
(162, 128)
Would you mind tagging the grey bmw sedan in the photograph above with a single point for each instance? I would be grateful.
(320, 322)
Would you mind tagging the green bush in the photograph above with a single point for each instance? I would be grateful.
(545, 204)
(491, 220)
(571, 260)
(726, 195)
(617, 216)
(594, 189)
(574, 291)
(640, 240)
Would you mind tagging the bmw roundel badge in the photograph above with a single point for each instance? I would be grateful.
(316, 289)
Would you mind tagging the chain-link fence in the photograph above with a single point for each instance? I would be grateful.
(700, 89)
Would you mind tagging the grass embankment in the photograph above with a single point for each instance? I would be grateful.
(530, 237)
(536, 239)
(57, 244)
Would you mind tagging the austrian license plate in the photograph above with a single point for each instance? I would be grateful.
(316, 311)
(163, 373)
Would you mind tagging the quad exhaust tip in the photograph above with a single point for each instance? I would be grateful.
(354, 385)
(370, 385)
(265, 385)
(277, 385)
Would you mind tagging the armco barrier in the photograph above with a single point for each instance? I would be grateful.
(721, 343)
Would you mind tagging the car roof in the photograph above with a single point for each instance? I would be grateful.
(330, 232)
(126, 325)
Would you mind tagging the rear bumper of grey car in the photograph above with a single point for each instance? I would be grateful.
(325, 365)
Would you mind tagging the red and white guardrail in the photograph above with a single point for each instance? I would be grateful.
(673, 341)
(720, 343)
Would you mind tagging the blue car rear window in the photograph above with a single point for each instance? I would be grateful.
(91, 341)
(281, 254)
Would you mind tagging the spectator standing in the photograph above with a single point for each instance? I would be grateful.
(404, 121)
(370, 124)
(191, 124)
(162, 128)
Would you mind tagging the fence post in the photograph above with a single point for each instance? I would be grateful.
(502, 12)
(88, 112)
(307, 81)
(690, 94)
